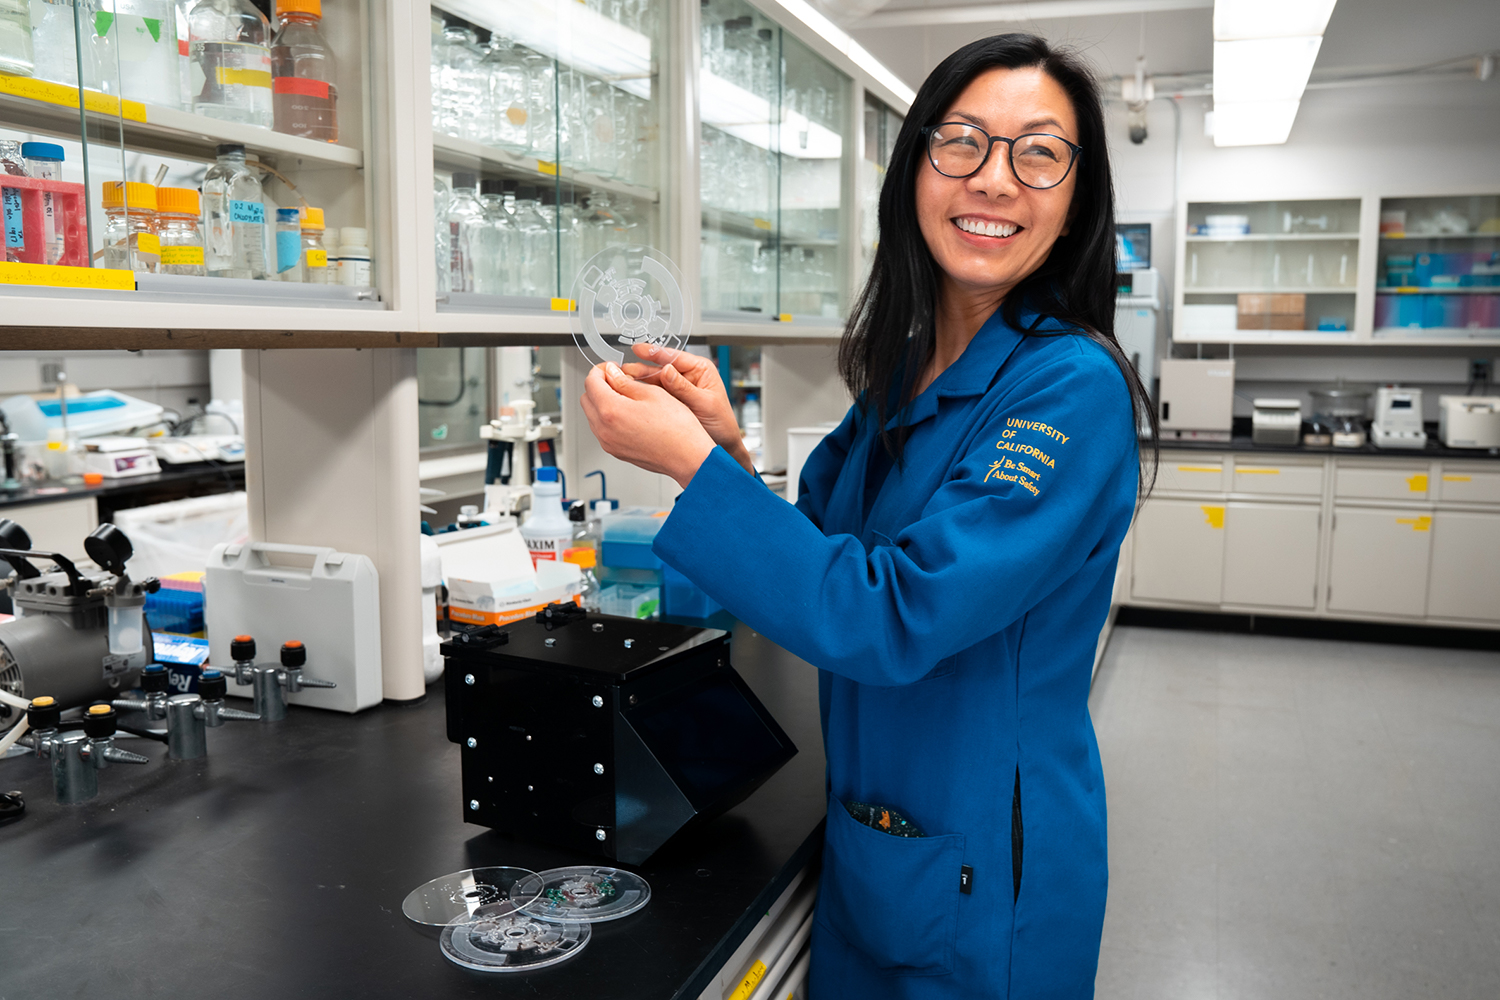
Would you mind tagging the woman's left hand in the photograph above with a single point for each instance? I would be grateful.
(644, 425)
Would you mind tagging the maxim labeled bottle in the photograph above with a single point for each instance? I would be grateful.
(234, 223)
(305, 94)
(177, 229)
(229, 48)
(547, 530)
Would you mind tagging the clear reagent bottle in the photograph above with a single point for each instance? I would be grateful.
(314, 255)
(234, 215)
(130, 241)
(229, 45)
(179, 232)
(44, 162)
(305, 94)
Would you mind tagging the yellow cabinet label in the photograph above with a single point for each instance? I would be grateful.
(1417, 483)
(748, 984)
(563, 305)
(1257, 472)
(1214, 515)
(1423, 523)
(317, 258)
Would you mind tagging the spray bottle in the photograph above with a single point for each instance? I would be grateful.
(548, 532)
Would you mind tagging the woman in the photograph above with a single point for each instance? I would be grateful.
(949, 563)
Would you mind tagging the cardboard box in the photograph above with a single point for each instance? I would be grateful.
(1262, 311)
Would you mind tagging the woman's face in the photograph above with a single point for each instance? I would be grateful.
(956, 213)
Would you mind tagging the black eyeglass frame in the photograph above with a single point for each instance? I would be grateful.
(1010, 157)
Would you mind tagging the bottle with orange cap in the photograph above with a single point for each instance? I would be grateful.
(304, 92)
(314, 254)
(177, 228)
(130, 240)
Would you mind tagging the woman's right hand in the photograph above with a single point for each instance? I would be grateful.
(695, 382)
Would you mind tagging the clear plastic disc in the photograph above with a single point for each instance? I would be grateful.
(587, 893)
(498, 938)
(462, 895)
(629, 295)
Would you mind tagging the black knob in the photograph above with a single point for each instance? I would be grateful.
(242, 647)
(154, 679)
(293, 654)
(44, 713)
(212, 686)
(99, 721)
(108, 546)
(13, 536)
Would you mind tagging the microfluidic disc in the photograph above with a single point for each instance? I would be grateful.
(462, 894)
(586, 893)
(500, 939)
(628, 295)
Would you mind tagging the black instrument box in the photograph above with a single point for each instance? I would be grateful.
(603, 735)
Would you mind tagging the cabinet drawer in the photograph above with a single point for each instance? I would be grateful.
(1469, 485)
(1403, 482)
(1290, 478)
(1379, 561)
(1465, 566)
(1193, 475)
(1178, 552)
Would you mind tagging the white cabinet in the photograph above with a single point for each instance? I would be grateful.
(1379, 561)
(1465, 566)
(1271, 555)
(1287, 477)
(1408, 481)
(1179, 552)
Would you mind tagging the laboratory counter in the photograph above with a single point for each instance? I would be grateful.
(1240, 441)
(276, 866)
(174, 482)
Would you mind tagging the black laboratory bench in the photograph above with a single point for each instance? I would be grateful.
(276, 866)
(174, 482)
(1240, 441)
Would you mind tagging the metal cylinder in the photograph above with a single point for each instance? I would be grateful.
(73, 778)
(53, 659)
(270, 701)
(186, 735)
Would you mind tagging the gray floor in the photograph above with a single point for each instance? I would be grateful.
(1298, 818)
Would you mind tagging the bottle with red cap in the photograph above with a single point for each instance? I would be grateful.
(304, 93)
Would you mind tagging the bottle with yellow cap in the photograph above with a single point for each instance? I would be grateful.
(130, 240)
(314, 254)
(177, 228)
(305, 94)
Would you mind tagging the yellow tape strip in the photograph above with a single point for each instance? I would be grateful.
(1199, 468)
(57, 276)
(67, 97)
(1214, 515)
(1458, 479)
(1417, 483)
(1257, 472)
(1423, 523)
(547, 168)
(563, 305)
(747, 985)
(785, 317)
(763, 224)
(228, 76)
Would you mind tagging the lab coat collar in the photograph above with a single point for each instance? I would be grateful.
(976, 368)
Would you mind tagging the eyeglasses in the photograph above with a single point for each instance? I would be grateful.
(1039, 160)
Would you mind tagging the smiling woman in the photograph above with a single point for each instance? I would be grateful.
(950, 558)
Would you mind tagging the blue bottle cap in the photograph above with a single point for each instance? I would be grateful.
(546, 474)
(288, 215)
(42, 151)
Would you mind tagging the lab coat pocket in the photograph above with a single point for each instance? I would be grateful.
(895, 899)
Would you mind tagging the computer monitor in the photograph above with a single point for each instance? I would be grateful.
(1133, 245)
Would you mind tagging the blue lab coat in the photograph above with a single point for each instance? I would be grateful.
(953, 605)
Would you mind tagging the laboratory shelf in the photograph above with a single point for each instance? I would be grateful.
(1411, 237)
(1430, 290)
(1434, 336)
(1280, 290)
(734, 224)
(465, 154)
(1275, 238)
(174, 132)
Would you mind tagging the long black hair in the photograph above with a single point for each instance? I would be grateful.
(891, 328)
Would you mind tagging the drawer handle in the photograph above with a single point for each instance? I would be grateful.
(1458, 479)
(1258, 472)
(1200, 468)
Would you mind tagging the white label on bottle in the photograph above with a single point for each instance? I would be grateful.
(549, 549)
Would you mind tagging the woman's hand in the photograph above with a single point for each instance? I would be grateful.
(644, 424)
(695, 382)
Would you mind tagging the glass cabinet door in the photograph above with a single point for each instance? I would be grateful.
(199, 151)
(547, 144)
(1270, 266)
(881, 126)
(772, 144)
(1439, 268)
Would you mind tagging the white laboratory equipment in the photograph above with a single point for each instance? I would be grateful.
(1137, 306)
(1398, 418)
(1196, 400)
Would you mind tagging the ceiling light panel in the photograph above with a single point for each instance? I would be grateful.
(1236, 19)
(1254, 123)
(1264, 69)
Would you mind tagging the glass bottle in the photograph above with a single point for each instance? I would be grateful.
(354, 257)
(465, 217)
(442, 248)
(569, 243)
(510, 121)
(177, 230)
(494, 243)
(44, 163)
(131, 49)
(545, 260)
(180, 9)
(234, 216)
(229, 47)
(314, 254)
(130, 241)
(54, 50)
(289, 245)
(601, 128)
(304, 93)
(541, 104)
(462, 96)
(15, 38)
(596, 226)
(534, 272)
